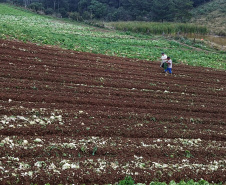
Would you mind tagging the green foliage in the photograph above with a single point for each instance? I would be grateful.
(75, 16)
(190, 182)
(181, 10)
(36, 6)
(49, 11)
(127, 181)
(98, 9)
(115, 10)
(209, 7)
(94, 150)
(171, 10)
(161, 10)
(188, 154)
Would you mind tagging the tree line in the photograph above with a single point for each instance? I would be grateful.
(114, 10)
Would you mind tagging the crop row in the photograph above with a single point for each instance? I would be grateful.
(72, 117)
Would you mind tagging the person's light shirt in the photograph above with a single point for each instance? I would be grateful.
(170, 63)
(164, 57)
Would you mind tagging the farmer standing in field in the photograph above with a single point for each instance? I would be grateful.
(163, 62)
(169, 66)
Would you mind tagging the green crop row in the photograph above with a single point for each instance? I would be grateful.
(158, 28)
(30, 27)
(129, 181)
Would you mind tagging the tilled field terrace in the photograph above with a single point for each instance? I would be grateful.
(70, 117)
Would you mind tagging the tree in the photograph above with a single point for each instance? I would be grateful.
(180, 10)
(199, 2)
(172, 10)
(138, 8)
(97, 9)
(36, 6)
(83, 5)
(114, 3)
(73, 5)
(119, 14)
(49, 11)
(26, 3)
(161, 10)
(157, 10)
(75, 16)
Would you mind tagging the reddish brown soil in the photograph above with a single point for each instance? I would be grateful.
(119, 101)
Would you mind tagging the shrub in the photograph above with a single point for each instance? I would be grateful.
(35, 6)
(49, 11)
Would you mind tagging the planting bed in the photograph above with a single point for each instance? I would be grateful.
(69, 117)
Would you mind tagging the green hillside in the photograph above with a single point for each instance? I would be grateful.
(212, 15)
(30, 27)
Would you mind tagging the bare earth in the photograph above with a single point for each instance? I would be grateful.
(69, 117)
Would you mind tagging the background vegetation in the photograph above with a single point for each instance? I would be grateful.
(212, 15)
(209, 13)
(114, 10)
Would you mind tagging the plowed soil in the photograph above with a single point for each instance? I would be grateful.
(79, 118)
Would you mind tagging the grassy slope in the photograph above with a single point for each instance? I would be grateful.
(212, 15)
(29, 27)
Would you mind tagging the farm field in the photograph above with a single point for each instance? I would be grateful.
(28, 27)
(72, 117)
